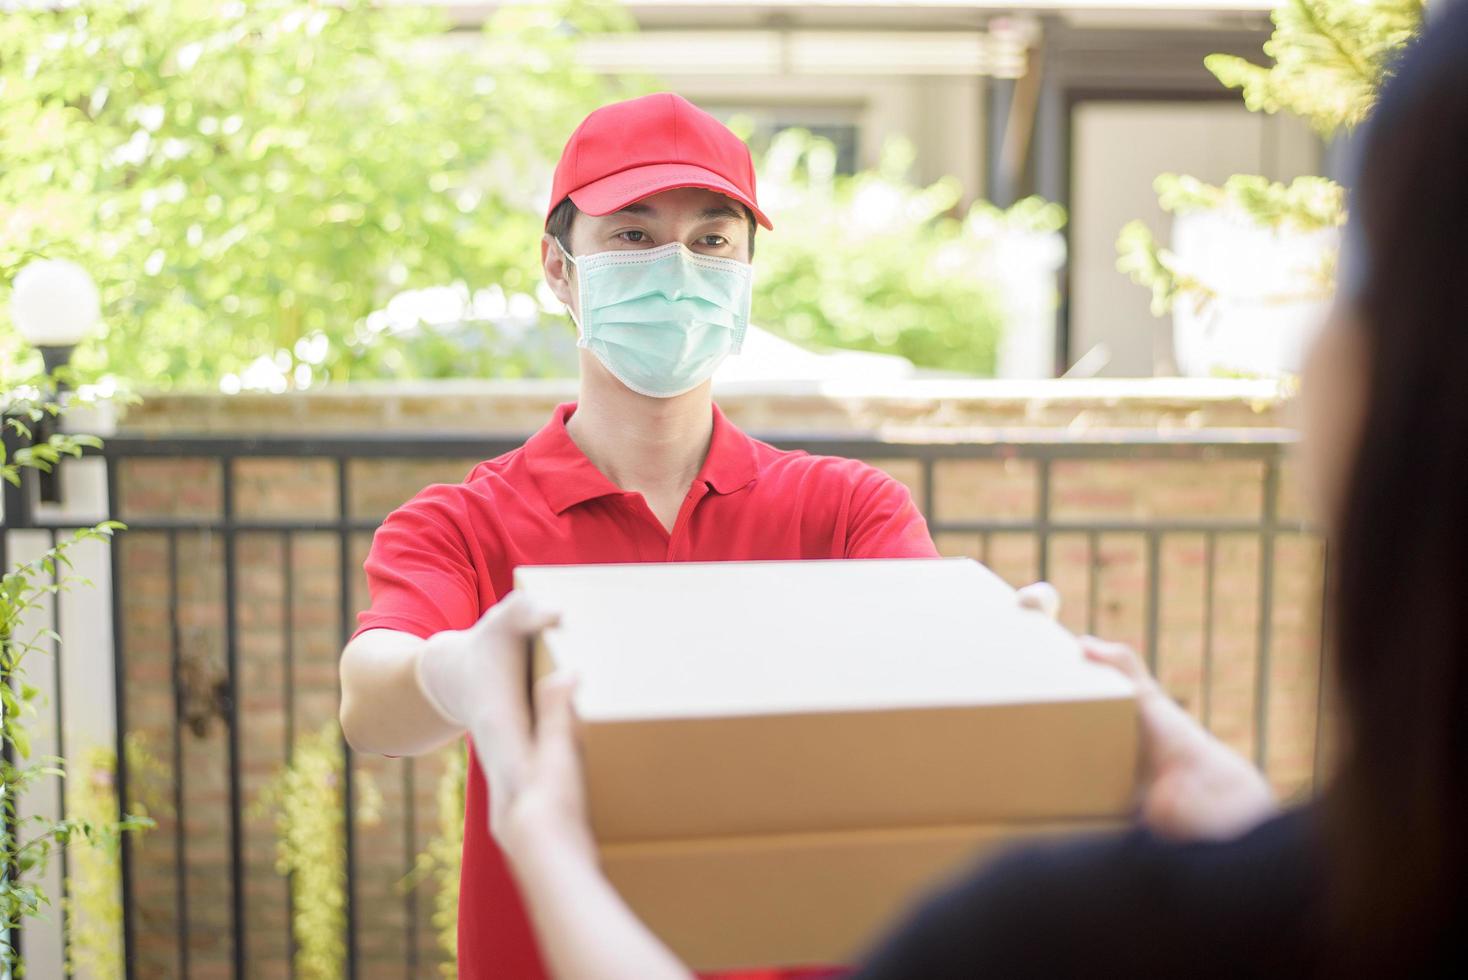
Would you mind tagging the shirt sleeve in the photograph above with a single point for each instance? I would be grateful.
(420, 573)
(884, 522)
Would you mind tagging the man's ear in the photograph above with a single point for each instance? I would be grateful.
(556, 269)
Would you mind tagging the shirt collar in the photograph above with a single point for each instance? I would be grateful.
(567, 478)
(561, 470)
(730, 465)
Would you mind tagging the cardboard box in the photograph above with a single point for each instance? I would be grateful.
(779, 755)
(819, 899)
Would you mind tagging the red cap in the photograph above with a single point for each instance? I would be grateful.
(630, 150)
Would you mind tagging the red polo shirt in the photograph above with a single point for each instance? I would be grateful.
(443, 558)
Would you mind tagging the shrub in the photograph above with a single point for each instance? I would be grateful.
(872, 262)
(253, 179)
(1329, 58)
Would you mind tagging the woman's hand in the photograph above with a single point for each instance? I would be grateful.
(537, 799)
(546, 806)
(1193, 786)
(476, 678)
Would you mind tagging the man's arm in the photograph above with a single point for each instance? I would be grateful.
(402, 695)
(427, 591)
(384, 708)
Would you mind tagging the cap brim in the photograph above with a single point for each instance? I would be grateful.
(616, 191)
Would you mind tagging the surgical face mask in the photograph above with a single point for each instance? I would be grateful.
(661, 319)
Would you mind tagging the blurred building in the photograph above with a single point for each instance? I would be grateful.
(1083, 102)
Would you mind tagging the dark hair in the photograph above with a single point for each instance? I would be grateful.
(1397, 815)
(558, 225)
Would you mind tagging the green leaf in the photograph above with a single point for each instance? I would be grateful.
(1329, 59)
(1139, 257)
(21, 739)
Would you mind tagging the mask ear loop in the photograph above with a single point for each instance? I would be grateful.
(580, 282)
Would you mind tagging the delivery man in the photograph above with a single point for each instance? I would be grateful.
(648, 242)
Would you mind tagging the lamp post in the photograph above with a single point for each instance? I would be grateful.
(54, 305)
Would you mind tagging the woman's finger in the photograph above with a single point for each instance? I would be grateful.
(557, 751)
(555, 712)
(1117, 656)
(558, 769)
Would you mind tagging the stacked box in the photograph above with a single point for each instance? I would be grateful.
(780, 756)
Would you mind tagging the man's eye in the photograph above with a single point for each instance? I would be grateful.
(715, 241)
(633, 235)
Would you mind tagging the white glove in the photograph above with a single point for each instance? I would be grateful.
(1041, 597)
(479, 672)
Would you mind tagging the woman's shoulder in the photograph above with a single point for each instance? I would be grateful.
(1128, 902)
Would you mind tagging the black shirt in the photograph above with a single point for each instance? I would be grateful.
(1127, 905)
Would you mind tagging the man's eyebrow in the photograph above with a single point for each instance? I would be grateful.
(637, 208)
(720, 212)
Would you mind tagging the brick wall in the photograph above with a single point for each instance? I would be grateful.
(288, 611)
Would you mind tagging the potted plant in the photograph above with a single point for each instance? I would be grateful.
(1252, 263)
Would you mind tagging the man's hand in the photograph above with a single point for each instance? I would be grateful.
(1041, 597)
(481, 670)
(1193, 786)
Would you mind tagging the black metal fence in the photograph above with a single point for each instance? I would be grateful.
(335, 459)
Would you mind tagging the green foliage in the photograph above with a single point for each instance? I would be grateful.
(251, 184)
(94, 887)
(26, 849)
(1330, 57)
(1304, 204)
(311, 846)
(252, 179)
(1329, 60)
(871, 262)
(1140, 256)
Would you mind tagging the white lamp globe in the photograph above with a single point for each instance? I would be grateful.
(54, 303)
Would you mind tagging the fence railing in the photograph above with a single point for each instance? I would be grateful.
(239, 577)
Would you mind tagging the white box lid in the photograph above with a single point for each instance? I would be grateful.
(748, 638)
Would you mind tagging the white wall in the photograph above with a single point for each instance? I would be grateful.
(84, 667)
(1118, 149)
